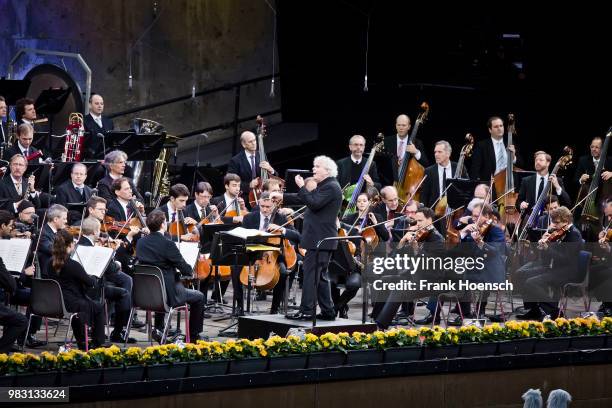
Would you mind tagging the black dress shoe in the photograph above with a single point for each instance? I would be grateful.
(457, 321)
(32, 342)
(274, 310)
(343, 312)
(427, 320)
(326, 316)
(119, 337)
(299, 316)
(532, 314)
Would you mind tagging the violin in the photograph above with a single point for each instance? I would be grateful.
(240, 208)
(109, 225)
(422, 234)
(557, 234)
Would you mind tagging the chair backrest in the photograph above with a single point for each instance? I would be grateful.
(47, 299)
(584, 265)
(149, 291)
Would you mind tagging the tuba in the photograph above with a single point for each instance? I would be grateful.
(75, 133)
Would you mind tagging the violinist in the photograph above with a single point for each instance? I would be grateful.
(120, 292)
(16, 188)
(267, 218)
(600, 282)
(116, 167)
(558, 264)
(231, 202)
(174, 211)
(421, 239)
(122, 207)
(201, 208)
(482, 238)
(57, 217)
(354, 224)
(246, 164)
(350, 168)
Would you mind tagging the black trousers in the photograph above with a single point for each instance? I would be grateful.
(97, 327)
(195, 299)
(14, 324)
(312, 270)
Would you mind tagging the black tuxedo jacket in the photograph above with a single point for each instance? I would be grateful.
(483, 160)
(219, 201)
(93, 143)
(115, 210)
(252, 220)
(240, 165)
(430, 191)
(105, 189)
(192, 211)
(154, 249)
(527, 192)
(15, 149)
(9, 195)
(586, 166)
(344, 171)
(323, 203)
(389, 172)
(66, 193)
(47, 236)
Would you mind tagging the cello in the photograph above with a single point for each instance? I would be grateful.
(411, 172)
(256, 192)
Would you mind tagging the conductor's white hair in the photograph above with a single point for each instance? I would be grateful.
(328, 164)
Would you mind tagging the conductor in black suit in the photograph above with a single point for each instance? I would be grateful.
(587, 163)
(490, 155)
(74, 191)
(350, 168)
(154, 249)
(323, 204)
(95, 123)
(246, 164)
(398, 148)
(533, 186)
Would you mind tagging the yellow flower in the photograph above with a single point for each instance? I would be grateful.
(3, 358)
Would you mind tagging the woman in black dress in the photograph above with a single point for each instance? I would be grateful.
(74, 282)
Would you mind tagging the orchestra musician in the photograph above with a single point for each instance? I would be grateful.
(558, 264)
(96, 124)
(121, 207)
(26, 220)
(532, 186)
(587, 163)
(57, 217)
(490, 155)
(201, 207)
(25, 111)
(437, 174)
(120, 293)
(397, 146)
(115, 163)
(323, 204)
(16, 188)
(23, 145)
(230, 200)
(266, 218)
(74, 281)
(246, 164)
(155, 249)
(14, 323)
(350, 168)
(174, 210)
(600, 278)
(74, 191)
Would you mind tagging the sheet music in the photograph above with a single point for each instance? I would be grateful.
(14, 252)
(245, 233)
(94, 259)
(190, 252)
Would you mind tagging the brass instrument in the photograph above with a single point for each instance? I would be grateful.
(75, 135)
(161, 183)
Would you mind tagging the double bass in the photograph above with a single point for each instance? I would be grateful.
(256, 192)
(509, 213)
(591, 211)
(411, 172)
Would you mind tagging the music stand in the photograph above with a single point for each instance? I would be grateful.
(49, 103)
(141, 147)
(206, 238)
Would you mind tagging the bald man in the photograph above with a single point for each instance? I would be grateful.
(399, 148)
(246, 164)
(95, 123)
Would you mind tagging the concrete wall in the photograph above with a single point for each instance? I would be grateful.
(172, 45)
